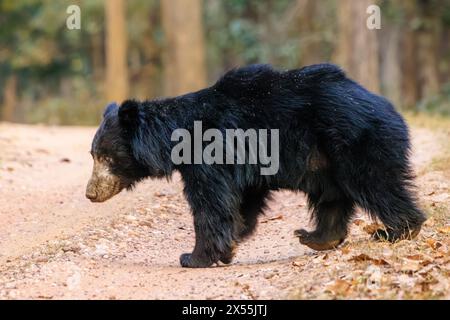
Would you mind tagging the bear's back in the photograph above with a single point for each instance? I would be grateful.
(250, 82)
(259, 81)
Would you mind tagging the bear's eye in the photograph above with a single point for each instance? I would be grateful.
(108, 160)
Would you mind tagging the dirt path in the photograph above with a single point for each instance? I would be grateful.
(56, 244)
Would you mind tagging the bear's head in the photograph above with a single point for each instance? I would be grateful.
(115, 164)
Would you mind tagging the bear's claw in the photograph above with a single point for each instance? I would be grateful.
(394, 236)
(188, 261)
(308, 239)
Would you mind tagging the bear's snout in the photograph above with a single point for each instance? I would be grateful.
(101, 190)
(102, 185)
(91, 195)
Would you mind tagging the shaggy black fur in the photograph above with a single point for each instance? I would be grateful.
(340, 144)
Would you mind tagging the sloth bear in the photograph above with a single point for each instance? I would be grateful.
(340, 144)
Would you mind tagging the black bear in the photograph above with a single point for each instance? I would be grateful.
(339, 143)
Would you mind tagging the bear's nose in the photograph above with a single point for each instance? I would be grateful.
(91, 195)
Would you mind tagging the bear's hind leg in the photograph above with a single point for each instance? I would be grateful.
(332, 219)
(399, 213)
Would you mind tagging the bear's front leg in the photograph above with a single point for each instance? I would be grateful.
(216, 219)
(213, 242)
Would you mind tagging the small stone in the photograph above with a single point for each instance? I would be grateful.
(101, 249)
(146, 223)
(71, 248)
(269, 275)
(42, 259)
(10, 285)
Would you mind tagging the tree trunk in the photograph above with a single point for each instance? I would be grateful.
(408, 43)
(445, 52)
(150, 74)
(428, 50)
(184, 54)
(357, 50)
(390, 67)
(116, 51)
(309, 27)
(10, 98)
(344, 45)
(97, 55)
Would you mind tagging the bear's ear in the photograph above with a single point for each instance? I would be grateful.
(110, 108)
(129, 114)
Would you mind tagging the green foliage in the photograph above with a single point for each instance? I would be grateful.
(78, 105)
(36, 45)
(240, 32)
(60, 80)
(438, 104)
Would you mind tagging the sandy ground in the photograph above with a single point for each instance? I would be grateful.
(55, 244)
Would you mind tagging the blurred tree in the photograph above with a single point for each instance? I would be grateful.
(357, 49)
(390, 51)
(97, 57)
(311, 31)
(10, 98)
(184, 52)
(408, 57)
(428, 37)
(422, 27)
(54, 75)
(145, 48)
(116, 51)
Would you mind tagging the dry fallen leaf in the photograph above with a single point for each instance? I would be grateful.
(425, 285)
(279, 217)
(364, 257)
(415, 257)
(423, 261)
(445, 230)
(298, 263)
(345, 250)
(373, 227)
(340, 287)
(433, 244)
(410, 266)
